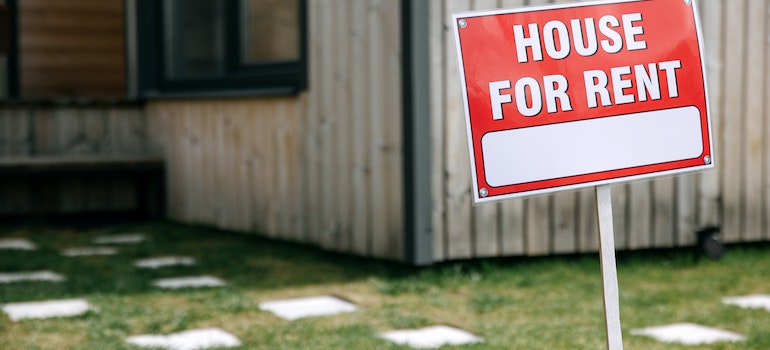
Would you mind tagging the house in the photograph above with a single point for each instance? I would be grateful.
(338, 123)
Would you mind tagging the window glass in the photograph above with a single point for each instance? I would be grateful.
(269, 30)
(194, 37)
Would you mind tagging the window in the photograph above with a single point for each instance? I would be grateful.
(221, 47)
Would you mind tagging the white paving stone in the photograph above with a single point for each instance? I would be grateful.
(688, 334)
(89, 251)
(164, 261)
(126, 238)
(17, 243)
(46, 309)
(758, 301)
(292, 309)
(189, 282)
(187, 340)
(431, 337)
(9, 277)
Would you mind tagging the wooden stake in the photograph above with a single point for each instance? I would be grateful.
(609, 270)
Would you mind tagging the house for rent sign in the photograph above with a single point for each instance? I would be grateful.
(566, 96)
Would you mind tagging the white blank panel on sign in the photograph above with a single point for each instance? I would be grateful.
(588, 146)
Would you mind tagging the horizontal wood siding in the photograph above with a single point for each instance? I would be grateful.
(663, 212)
(324, 167)
(72, 49)
(30, 132)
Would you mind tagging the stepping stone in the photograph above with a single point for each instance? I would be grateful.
(17, 243)
(46, 309)
(127, 238)
(164, 261)
(89, 251)
(189, 282)
(688, 334)
(292, 309)
(431, 337)
(758, 301)
(187, 340)
(30, 276)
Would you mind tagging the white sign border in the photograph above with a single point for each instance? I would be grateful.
(477, 198)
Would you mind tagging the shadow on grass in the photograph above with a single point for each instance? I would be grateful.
(255, 263)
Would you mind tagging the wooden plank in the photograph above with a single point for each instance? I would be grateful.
(242, 202)
(72, 194)
(457, 166)
(73, 60)
(73, 5)
(640, 215)
(360, 129)
(394, 129)
(512, 211)
(709, 192)
(47, 43)
(128, 131)
(663, 215)
(235, 150)
(754, 104)
(686, 195)
(17, 132)
(485, 216)
(258, 209)
(191, 199)
(6, 120)
(620, 214)
(16, 197)
(565, 218)
(342, 93)
(46, 20)
(732, 159)
(294, 192)
(587, 225)
(95, 130)
(313, 125)
(328, 136)
(437, 73)
(766, 150)
(44, 138)
(69, 132)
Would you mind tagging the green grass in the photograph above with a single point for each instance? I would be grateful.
(535, 303)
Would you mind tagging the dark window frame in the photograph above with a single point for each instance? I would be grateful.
(12, 59)
(269, 78)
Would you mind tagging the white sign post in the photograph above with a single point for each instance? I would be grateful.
(609, 271)
(568, 96)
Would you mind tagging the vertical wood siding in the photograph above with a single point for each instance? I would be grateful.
(232, 163)
(324, 167)
(664, 212)
(27, 131)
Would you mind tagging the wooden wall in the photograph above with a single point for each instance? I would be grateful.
(28, 131)
(71, 49)
(324, 167)
(660, 213)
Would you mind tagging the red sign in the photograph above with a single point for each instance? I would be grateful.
(566, 96)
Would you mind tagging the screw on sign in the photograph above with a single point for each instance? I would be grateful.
(567, 96)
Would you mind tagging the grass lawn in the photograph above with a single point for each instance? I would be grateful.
(540, 303)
